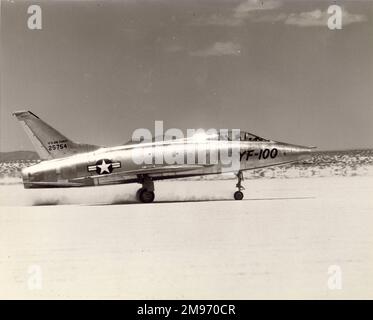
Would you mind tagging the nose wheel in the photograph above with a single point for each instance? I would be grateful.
(238, 195)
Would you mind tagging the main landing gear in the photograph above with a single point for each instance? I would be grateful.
(238, 195)
(146, 193)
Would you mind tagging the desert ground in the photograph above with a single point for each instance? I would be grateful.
(194, 242)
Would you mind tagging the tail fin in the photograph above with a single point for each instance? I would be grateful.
(48, 142)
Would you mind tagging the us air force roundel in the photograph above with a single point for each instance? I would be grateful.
(104, 166)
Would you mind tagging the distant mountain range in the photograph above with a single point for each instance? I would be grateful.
(18, 155)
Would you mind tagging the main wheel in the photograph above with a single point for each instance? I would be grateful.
(146, 196)
(238, 195)
(138, 192)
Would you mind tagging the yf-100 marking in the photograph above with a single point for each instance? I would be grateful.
(260, 154)
(69, 164)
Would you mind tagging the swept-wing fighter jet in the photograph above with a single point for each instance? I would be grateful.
(69, 164)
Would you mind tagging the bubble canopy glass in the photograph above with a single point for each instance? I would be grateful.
(230, 135)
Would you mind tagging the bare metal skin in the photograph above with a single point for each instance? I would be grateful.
(69, 164)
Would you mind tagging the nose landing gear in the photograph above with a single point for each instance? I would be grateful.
(238, 195)
(146, 193)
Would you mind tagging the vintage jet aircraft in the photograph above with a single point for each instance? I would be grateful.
(69, 164)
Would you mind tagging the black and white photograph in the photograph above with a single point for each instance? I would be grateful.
(186, 150)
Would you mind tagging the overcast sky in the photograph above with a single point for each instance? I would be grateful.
(98, 70)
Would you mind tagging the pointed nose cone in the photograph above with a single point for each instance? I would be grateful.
(293, 153)
(302, 152)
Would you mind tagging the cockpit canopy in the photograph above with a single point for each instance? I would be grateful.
(227, 135)
(239, 135)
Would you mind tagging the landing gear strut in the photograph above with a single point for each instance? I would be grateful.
(146, 193)
(238, 195)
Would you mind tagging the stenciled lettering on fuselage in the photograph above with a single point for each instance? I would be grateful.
(57, 145)
(259, 154)
(104, 166)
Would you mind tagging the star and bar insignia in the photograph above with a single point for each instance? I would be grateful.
(104, 166)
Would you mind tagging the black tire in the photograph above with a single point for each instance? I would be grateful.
(138, 193)
(146, 196)
(238, 195)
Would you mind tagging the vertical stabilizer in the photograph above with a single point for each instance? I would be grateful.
(47, 141)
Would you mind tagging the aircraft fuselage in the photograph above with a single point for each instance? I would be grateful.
(159, 160)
